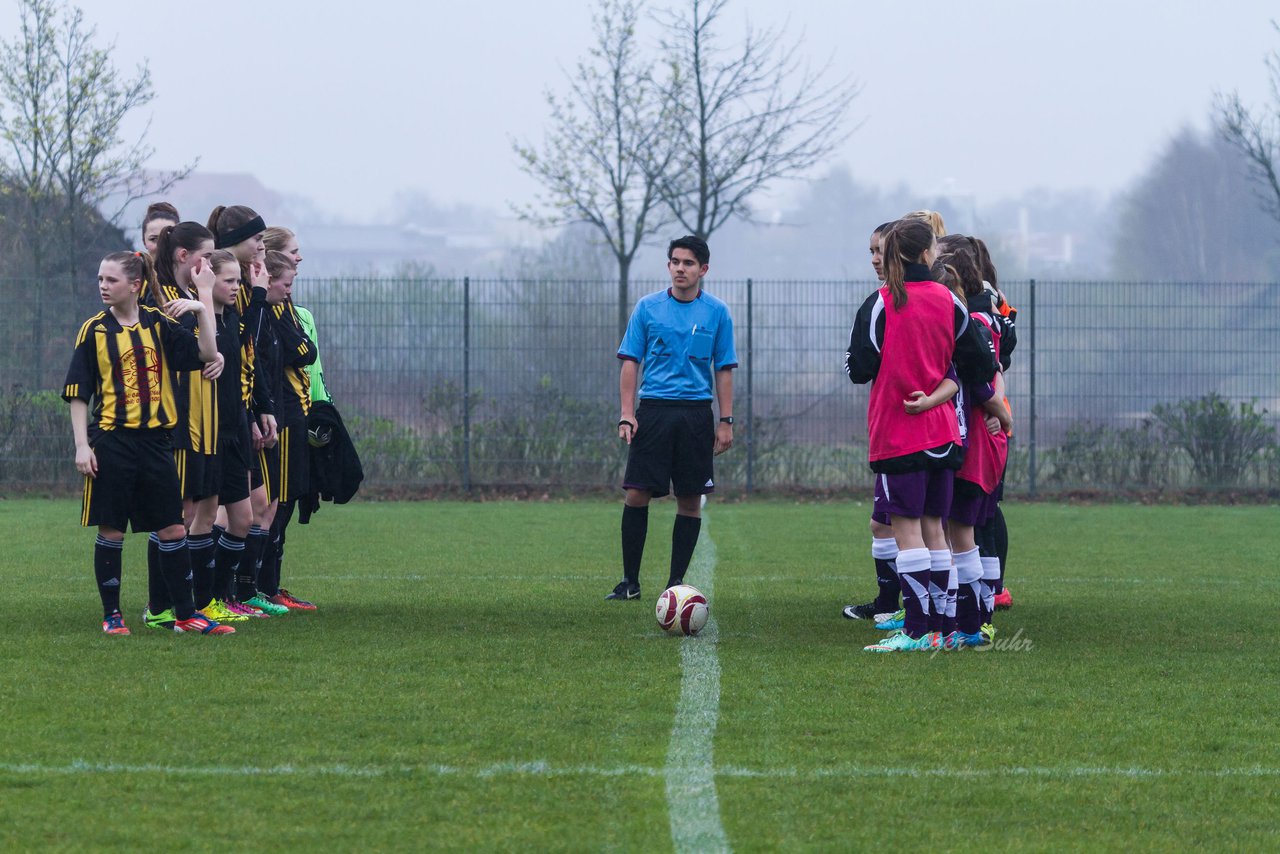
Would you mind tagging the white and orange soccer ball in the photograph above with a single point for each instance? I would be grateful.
(681, 610)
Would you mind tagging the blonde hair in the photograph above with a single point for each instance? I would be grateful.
(933, 218)
(277, 237)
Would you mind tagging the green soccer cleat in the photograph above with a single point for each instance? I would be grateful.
(262, 603)
(988, 631)
(163, 621)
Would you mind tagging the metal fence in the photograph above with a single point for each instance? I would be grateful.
(469, 384)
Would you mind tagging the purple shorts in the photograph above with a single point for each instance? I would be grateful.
(878, 515)
(914, 494)
(970, 505)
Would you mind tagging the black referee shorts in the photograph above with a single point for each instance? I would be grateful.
(672, 449)
(137, 484)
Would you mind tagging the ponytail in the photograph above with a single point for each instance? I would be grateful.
(893, 268)
(905, 242)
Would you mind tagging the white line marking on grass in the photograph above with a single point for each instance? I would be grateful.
(692, 804)
(544, 769)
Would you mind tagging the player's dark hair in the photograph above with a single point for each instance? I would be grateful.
(160, 210)
(904, 243)
(185, 235)
(136, 266)
(694, 244)
(232, 224)
(884, 226)
(985, 263)
(959, 252)
(279, 263)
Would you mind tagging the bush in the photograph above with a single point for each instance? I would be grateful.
(1094, 455)
(36, 448)
(1220, 439)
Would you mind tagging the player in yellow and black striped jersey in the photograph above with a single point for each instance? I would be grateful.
(123, 408)
(178, 251)
(238, 229)
(285, 351)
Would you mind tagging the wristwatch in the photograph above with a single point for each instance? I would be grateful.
(728, 419)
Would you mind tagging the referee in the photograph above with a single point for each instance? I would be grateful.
(683, 339)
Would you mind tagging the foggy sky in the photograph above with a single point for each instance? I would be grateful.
(989, 96)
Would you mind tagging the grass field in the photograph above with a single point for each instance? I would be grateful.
(464, 686)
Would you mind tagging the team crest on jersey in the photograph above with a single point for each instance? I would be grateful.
(139, 368)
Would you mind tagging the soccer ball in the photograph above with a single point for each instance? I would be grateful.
(681, 610)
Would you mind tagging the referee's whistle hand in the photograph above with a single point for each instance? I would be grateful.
(626, 433)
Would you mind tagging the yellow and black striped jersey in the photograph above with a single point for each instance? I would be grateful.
(296, 352)
(125, 373)
(197, 397)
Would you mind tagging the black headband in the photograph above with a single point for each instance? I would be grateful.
(236, 235)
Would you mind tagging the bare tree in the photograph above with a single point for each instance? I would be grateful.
(607, 145)
(62, 104)
(1256, 135)
(744, 116)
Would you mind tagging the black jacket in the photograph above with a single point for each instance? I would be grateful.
(336, 472)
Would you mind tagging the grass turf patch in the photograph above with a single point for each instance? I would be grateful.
(464, 685)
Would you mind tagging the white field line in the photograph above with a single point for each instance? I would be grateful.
(692, 804)
(544, 769)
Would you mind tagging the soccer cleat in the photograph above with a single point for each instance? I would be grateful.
(201, 624)
(988, 631)
(1004, 601)
(933, 641)
(243, 610)
(220, 613)
(896, 621)
(860, 612)
(625, 590)
(114, 625)
(293, 603)
(163, 620)
(898, 642)
(262, 603)
(964, 639)
(884, 616)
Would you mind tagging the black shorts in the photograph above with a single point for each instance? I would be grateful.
(198, 474)
(286, 468)
(235, 450)
(137, 484)
(672, 449)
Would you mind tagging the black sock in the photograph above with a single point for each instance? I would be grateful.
(269, 565)
(1000, 543)
(106, 569)
(684, 537)
(635, 527)
(218, 531)
(200, 547)
(157, 591)
(226, 560)
(284, 515)
(175, 565)
(889, 585)
(247, 574)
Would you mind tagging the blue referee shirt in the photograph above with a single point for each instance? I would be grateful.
(679, 345)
